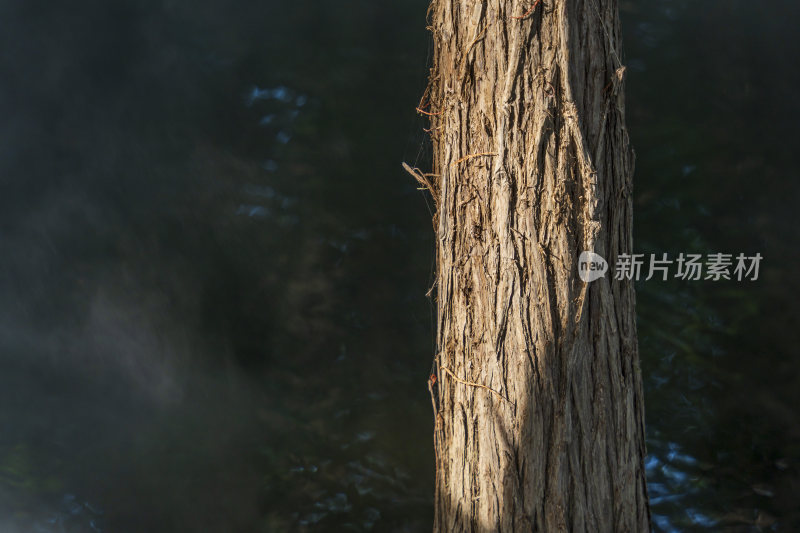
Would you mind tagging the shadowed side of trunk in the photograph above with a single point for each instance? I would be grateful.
(539, 414)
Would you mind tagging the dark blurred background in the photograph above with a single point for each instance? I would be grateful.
(212, 287)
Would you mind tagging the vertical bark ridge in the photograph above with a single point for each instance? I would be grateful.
(540, 416)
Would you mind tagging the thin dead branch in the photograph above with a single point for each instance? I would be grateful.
(472, 384)
(472, 156)
(529, 12)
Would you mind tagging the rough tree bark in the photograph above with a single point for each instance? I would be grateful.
(537, 389)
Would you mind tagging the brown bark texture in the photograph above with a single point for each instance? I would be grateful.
(539, 422)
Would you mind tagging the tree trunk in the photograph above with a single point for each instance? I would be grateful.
(537, 389)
